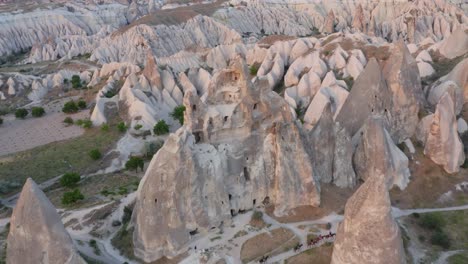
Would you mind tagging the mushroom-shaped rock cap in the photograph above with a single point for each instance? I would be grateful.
(37, 234)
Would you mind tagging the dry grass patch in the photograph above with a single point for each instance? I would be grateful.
(427, 184)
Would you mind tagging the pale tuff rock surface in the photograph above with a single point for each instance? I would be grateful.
(459, 75)
(443, 145)
(369, 96)
(455, 45)
(377, 152)
(368, 233)
(221, 161)
(329, 26)
(447, 87)
(343, 171)
(322, 141)
(462, 126)
(402, 76)
(37, 234)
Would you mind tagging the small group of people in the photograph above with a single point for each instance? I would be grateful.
(316, 240)
(264, 259)
(298, 247)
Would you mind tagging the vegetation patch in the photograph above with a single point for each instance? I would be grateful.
(48, 161)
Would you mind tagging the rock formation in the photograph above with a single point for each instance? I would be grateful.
(329, 26)
(369, 96)
(402, 77)
(37, 234)
(377, 152)
(239, 146)
(443, 144)
(368, 233)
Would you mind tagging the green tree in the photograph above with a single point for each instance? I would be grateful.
(95, 154)
(37, 111)
(76, 81)
(72, 197)
(70, 107)
(121, 127)
(21, 113)
(70, 179)
(134, 163)
(178, 114)
(161, 128)
(82, 104)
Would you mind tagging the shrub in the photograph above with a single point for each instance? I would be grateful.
(257, 215)
(72, 197)
(253, 70)
(65, 81)
(93, 244)
(1, 120)
(37, 111)
(161, 128)
(95, 154)
(87, 123)
(76, 81)
(121, 127)
(21, 113)
(70, 179)
(105, 127)
(432, 221)
(82, 104)
(70, 107)
(134, 163)
(137, 126)
(152, 148)
(439, 238)
(68, 120)
(110, 93)
(127, 214)
(178, 114)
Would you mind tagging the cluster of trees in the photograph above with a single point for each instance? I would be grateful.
(71, 106)
(36, 111)
(70, 180)
(134, 163)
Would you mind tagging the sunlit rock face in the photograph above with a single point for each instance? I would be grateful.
(37, 234)
(443, 144)
(239, 146)
(368, 233)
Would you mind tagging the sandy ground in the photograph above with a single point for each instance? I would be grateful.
(18, 135)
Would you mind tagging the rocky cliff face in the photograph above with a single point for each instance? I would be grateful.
(37, 234)
(239, 147)
(377, 152)
(443, 144)
(368, 233)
